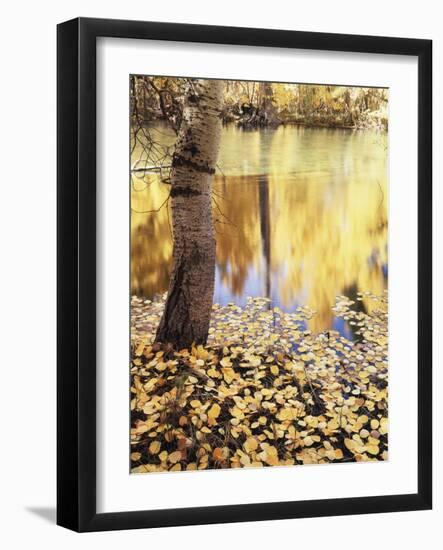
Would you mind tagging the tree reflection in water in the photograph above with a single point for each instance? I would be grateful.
(301, 218)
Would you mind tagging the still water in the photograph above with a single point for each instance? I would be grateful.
(301, 217)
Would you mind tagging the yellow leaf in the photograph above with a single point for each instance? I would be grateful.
(255, 361)
(154, 447)
(140, 349)
(333, 424)
(226, 362)
(271, 456)
(250, 444)
(338, 453)
(200, 352)
(237, 413)
(175, 457)
(287, 414)
(220, 453)
(214, 411)
(228, 374)
(372, 449)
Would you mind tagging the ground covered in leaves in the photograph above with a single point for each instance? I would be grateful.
(265, 391)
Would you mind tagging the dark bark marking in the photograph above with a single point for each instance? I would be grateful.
(193, 98)
(186, 192)
(179, 160)
(192, 148)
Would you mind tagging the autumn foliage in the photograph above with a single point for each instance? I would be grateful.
(265, 391)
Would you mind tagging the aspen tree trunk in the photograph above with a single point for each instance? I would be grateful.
(189, 302)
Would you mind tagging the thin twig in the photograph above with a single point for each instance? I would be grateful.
(155, 209)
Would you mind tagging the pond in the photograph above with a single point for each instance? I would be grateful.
(300, 217)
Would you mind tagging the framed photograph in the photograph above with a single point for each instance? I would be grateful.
(244, 274)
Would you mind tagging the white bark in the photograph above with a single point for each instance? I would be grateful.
(188, 305)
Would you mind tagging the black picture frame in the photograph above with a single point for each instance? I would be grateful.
(76, 273)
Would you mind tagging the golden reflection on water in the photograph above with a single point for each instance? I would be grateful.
(301, 217)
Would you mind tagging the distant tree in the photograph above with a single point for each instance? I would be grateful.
(268, 115)
(261, 110)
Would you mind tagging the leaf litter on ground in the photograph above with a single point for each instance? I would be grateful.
(264, 391)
